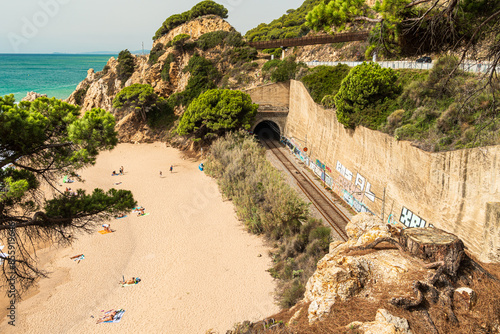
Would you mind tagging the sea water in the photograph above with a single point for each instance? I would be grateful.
(56, 75)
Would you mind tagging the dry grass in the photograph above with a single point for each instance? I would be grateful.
(484, 317)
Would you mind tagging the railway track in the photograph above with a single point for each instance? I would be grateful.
(327, 208)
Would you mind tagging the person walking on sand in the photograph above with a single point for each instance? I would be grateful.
(171, 168)
(121, 170)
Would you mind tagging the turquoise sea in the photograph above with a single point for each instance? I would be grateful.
(56, 75)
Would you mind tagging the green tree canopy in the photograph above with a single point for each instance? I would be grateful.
(324, 81)
(141, 98)
(41, 141)
(125, 67)
(217, 111)
(365, 85)
(413, 27)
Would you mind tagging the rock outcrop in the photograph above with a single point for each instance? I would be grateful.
(340, 275)
(32, 96)
(99, 88)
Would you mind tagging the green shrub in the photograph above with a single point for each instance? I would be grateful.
(285, 70)
(217, 111)
(240, 55)
(125, 67)
(292, 24)
(165, 71)
(365, 85)
(80, 94)
(156, 52)
(204, 76)
(324, 80)
(221, 37)
(275, 52)
(203, 8)
(179, 40)
(136, 97)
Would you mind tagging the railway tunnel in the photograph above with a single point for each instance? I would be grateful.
(267, 129)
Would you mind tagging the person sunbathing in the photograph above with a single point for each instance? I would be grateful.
(133, 280)
(141, 212)
(107, 317)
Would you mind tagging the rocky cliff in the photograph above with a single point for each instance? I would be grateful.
(99, 88)
(378, 283)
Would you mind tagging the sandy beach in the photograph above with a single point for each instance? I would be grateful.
(199, 268)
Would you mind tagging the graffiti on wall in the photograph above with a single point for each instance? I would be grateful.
(353, 189)
(409, 219)
(360, 186)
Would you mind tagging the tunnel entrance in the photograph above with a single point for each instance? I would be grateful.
(267, 130)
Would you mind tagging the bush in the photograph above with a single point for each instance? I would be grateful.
(204, 76)
(240, 55)
(325, 80)
(179, 40)
(156, 52)
(137, 97)
(80, 94)
(365, 85)
(125, 67)
(221, 37)
(165, 71)
(217, 111)
(285, 70)
(203, 8)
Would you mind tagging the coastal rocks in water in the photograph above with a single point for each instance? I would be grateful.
(32, 96)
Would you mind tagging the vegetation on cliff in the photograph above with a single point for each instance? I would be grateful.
(203, 8)
(126, 65)
(204, 76)
(412, 27)
(323, 82)
(41, 141)
(290, 25)
(143, 99)
(216, 112)
(281, 70)
(365, 86)
(268, 205)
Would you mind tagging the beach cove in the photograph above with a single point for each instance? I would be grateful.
(199, 268)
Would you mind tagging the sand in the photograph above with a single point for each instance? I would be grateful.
(200, 269)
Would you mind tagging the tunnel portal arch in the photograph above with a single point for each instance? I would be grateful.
(268, 129)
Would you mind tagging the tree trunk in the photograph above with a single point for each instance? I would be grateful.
(434, 246)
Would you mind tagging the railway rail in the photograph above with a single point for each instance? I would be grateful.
(326, 207)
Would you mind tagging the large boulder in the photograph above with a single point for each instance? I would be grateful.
(32, 96)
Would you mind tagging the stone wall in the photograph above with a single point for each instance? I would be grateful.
(449, 190)
(275, 95)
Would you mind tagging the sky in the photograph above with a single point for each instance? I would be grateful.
(75, 26)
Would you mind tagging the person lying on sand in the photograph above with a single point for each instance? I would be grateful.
(107, 317)
(139, 208)
(140, 212)
(133, 280)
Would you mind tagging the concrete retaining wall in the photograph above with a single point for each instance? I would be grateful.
(449, 190)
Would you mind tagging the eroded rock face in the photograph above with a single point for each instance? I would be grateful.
(340, 275)
(32, 96)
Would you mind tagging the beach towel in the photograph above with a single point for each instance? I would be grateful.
(121, 217)
(118, 316)
(105, 232)
(146, 214)
(78, 258)
(117, 183)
